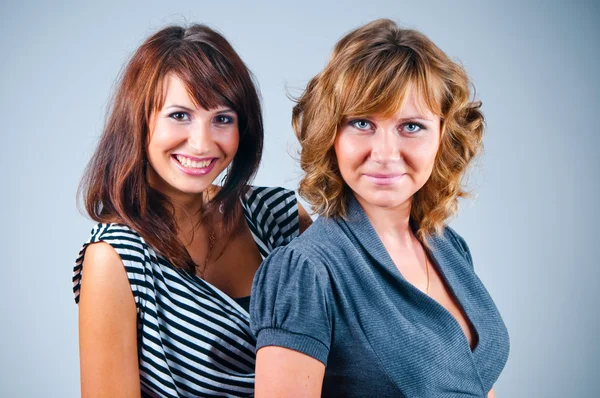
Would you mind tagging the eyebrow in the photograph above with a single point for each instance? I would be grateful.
(185, 108)
(224, 110)
(188, 109)
(421, 118)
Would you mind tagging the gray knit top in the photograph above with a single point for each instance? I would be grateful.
(335, 294)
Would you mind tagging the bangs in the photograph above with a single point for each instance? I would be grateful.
(381, 85)
(208, 77)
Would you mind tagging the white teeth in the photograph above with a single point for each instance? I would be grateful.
(187, 162)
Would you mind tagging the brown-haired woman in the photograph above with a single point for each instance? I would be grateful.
(163, 283)
(379, 297)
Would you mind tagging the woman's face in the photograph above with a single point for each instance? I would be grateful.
(385, 161)
(189, 146)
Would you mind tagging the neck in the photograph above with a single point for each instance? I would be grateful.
(188, 214)
(188, 208)
(390, 223)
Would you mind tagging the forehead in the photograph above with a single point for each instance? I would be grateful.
(412, 103)
(378, 93)
(174, 90)
(415, 104)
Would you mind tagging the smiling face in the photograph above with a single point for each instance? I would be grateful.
(189, 146)
(385, 161)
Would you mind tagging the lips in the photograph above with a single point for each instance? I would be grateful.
(384, 175)
(384, 178)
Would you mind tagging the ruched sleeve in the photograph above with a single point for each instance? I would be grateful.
(290, 305)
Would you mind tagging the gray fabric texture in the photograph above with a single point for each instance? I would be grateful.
(335, 294)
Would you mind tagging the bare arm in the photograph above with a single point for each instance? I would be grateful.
(304, 219)
(107, 327)
(281, 372)
(491, 394)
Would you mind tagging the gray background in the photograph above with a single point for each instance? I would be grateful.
(532, 228)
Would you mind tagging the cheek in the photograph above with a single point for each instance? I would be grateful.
(164, 137)
(427, 154)
(348, 152)
(156, 148)
(432, 151)
(421, 151)
(423, 158)
(154, 144)
(229, 143)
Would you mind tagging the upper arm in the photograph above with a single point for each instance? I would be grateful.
(304, 220)
(290, 316)
(281, 372)
(107, 326)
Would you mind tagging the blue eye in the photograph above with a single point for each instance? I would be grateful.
(361, 124)
(412, 127)
(180, 116)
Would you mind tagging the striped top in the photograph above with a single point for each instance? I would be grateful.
(193, 339)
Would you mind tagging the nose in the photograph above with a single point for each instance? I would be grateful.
(200, 138)
(385, 146)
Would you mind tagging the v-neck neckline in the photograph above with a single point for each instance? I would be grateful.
(361, 226)
(232, 301)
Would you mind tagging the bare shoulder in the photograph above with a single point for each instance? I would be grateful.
(107, 325)
(101, 259)
(104, 274)
(99, 252)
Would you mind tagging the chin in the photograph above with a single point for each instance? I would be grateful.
(190, 188)
(384, 199)
(195, 189)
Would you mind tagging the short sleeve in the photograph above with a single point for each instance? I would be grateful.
(290, 304)
(460, 244)
(130, 247)
(273, 216)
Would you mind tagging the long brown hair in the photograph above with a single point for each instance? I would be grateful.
(114, 185)
(370, 71)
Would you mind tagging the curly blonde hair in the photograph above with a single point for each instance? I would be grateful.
(370, 72)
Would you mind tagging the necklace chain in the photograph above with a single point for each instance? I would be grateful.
(211, 244)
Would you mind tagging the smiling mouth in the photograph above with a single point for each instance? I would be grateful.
(193, 164)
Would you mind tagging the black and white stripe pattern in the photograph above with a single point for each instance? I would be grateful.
(193, 339)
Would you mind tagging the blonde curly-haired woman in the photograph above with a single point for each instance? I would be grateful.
(379, 297)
